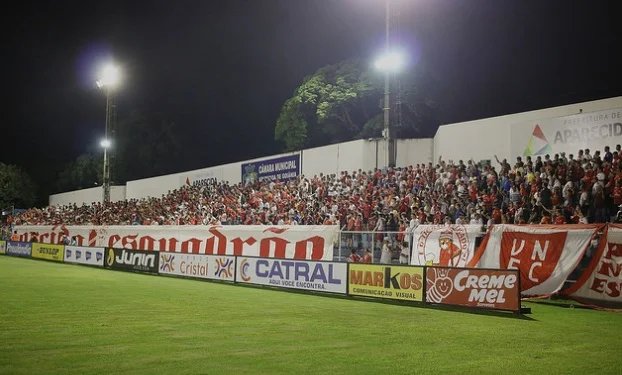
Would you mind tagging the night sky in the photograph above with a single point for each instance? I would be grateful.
(224, 68)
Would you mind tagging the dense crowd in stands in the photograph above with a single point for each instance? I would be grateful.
(581, 188)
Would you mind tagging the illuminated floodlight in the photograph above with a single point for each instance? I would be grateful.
(105, 143)
(390, 62)
(110, 77)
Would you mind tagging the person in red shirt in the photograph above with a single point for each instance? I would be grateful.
(354, 257)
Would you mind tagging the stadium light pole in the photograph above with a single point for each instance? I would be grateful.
(390, 63)
(108, 82)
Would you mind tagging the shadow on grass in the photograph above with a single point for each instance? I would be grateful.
(421, 305)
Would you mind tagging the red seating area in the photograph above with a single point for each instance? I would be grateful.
(581, 188)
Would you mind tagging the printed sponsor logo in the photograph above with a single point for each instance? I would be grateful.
(282, 168)
(199, 266)
(92, 256)
(491, 289)
(19, 249)
(48, 252)
(2, 247)
(308, 275)
(391, 282)
(132, 260)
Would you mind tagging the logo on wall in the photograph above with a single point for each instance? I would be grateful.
(110, 258)
(450, 250)
(440, 285)
(244, 270)
(538, 144)
(167, 262)
(68, 252)
(225, 267)
(250, 175)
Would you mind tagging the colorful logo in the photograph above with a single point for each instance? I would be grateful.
(68, 251)
(88, 255)
(167, 262)
(78, 254)
(538, 144)
(99, 255)
(224, 267)
(443, 246)
(244, 270)
(440, 286)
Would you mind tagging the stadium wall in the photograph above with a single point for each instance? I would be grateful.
(88, 196)
(566, 129)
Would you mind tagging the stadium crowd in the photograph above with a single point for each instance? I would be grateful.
(582, 188)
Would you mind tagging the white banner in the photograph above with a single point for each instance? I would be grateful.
(444, 245)
(312, 242)
(567, 134)
(92, 256)
(211, 267)
(316, 276)
(601, 282)
(545, 255)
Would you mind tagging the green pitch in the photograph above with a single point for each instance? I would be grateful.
(60, 319)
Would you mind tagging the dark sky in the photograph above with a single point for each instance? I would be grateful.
(226, 67)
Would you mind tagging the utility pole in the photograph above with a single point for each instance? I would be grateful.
(390, 145)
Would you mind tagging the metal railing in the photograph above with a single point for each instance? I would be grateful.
(398, 246)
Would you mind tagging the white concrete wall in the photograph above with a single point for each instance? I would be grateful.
(88, 196)
(482, 139)
(414, 151)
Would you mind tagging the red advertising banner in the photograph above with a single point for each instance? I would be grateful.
(483, 288)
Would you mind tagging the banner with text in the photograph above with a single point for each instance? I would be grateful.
(390, 282)
(283, 168)
(307, 275)
(132, 260)
(212, 267)
(201, 177)
(489, 289)
(601, 283)
(311, 242)
(19, 249)
(91, 256)
(48, 251)
(444, 245)
(2, 247)
(545, 255)
(567, 134)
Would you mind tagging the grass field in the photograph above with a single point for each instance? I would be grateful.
(60, 319)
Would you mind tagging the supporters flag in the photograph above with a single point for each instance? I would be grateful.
(444, 245)
(545, 255)
(600, 285)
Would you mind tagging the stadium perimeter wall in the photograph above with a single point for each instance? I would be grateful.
(88, 196)
(566, 129)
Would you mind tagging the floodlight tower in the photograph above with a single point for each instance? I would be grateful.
(108, 83)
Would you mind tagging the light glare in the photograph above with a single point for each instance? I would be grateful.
(109, 77)
(105, 143)
(390, 62)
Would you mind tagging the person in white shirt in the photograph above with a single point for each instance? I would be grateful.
(385, 255)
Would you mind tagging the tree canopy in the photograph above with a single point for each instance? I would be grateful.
(16, 187)
(344, 101)
(146, 144)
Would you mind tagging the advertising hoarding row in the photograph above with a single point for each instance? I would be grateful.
(478, 288)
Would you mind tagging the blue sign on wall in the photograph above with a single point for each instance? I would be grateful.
(282, 169)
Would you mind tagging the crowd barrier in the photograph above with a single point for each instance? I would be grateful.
(492, 289)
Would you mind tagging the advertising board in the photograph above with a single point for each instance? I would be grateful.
(48, 251)
(305, 242)
(132, 260)
(483, 288)
(307, 275)
(282, 168)
(19, 249)
(211, 267)
(2, 247)
(386, 281)
(90, 256)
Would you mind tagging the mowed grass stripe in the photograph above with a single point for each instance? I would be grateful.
(59, 319)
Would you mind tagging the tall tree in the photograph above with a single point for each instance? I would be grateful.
(84, 172)
(343, 101)
(16, 187)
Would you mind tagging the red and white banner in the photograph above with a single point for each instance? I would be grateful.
(545, 255)
(444, 245)
(601, 283)
(287, 242)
